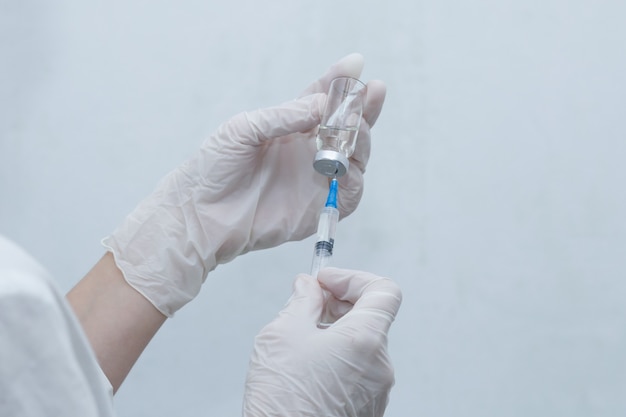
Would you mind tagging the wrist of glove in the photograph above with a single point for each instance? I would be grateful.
(298, 369)
(250, 186)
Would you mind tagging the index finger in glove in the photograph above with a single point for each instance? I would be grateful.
(376, 91)
(255, 127)
(376, 298)
(348, 66)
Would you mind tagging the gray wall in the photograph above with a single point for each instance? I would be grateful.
(494, 195)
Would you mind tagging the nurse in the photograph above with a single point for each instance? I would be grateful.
(247, 188)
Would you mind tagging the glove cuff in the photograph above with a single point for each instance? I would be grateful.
(167, 288)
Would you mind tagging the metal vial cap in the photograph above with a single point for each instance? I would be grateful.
(331, 163)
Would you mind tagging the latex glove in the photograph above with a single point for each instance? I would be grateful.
(298, 369)
(250, 186)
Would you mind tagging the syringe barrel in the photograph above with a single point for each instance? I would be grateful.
(325, 239)
(327, 225)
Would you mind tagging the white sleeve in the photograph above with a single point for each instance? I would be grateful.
(47, 367)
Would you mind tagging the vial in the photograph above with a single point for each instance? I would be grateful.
(339, 127)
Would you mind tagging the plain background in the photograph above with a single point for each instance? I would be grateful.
(494, 195)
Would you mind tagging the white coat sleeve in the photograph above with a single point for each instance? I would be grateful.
(47, 367)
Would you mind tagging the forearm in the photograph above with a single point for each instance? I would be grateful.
(118, 321)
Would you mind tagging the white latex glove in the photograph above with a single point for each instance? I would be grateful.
(250, 186)
(298, 369)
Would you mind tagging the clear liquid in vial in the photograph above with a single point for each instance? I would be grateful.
(336, 139)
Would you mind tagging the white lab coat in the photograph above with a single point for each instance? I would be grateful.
(47, 367)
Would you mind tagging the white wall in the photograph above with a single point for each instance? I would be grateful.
(494, 195)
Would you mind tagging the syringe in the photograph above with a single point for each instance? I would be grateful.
(323, 251)
(326, 226)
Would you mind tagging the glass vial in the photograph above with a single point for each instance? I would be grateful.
(339, 128)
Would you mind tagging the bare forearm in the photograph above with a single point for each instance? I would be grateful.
(118, 321)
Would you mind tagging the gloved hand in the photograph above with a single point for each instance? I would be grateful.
(250, 186)
(298, 369)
